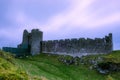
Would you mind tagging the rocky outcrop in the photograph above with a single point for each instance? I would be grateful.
(107, 67)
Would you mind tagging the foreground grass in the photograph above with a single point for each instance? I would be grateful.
(8, 70)
(48, 67)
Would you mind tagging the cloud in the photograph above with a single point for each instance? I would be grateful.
(60, 18)
(72, 16)
(79, 15)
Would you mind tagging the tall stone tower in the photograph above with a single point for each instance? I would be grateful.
(36, 38)
(31, 41)
(25, 39)
(109, 43)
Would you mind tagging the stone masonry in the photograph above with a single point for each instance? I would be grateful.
(79, 47)
(34, 43)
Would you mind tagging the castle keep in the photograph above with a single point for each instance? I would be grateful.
(30, 43)
(33, 43)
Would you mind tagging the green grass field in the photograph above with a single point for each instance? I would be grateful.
(8, 69)
(47, 67)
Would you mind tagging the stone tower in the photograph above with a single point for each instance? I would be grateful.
(109, 43)
(31, 41)
(36, 38)
(25, 39)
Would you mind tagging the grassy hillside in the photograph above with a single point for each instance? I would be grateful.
(8, 69)
(47, 67)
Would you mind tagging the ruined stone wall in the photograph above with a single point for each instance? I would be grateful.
(78, 47)
(31, 41)
(25, 40)
(16, 51)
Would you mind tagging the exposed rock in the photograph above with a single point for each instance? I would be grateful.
(107, 67)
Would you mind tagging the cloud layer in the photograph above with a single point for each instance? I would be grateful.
(60, 18)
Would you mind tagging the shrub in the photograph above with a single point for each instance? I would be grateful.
(109, 78)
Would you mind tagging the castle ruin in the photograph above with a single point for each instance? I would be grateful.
(33, 43)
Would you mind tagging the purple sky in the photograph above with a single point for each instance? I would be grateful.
(59, 19)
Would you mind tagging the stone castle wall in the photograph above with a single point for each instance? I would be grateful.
(78, 47)
(34, 44)
(17, 51)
